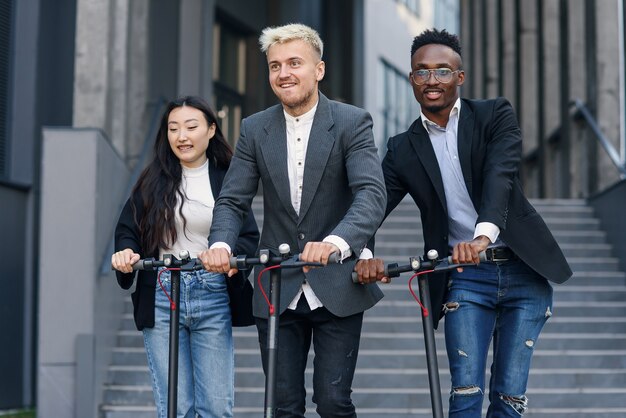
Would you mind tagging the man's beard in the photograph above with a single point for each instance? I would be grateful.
(302, 102)
(434, 109)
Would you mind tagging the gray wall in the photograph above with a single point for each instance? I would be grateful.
(609, 207)
(41, 54)
(79, 310)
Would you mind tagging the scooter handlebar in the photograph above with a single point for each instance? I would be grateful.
(153, 264)
(147, 264)
(417, 265)
(243, 262)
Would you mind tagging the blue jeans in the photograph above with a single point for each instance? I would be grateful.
(506, 301)
(336, 345)
(206, 356)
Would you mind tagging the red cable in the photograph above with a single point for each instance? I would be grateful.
(424, 310)
(172, 304)
(269, 304)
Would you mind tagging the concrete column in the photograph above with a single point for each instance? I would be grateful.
(93, 18)
(580, 160)
(111, 70)
(507, 36)
(190, 47)
(117, 89)
(528, 77)
(137, 93)
(608, 86)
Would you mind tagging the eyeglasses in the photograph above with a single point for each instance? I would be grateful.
(442, 75)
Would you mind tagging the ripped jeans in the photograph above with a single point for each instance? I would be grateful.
(504, 301)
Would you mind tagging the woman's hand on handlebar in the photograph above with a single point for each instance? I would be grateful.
(123, 261)
(371, 270)
(217, 260)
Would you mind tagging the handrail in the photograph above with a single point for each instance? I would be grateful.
(582, 110)
(23, 187)
(105, 266)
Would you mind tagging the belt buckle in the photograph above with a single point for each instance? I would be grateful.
(491, 256)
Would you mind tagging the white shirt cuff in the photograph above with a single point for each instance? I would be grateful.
(220, 244)
(366, 254)
(487, 229)
(343, 246)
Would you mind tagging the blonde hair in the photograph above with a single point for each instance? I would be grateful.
(291, 32)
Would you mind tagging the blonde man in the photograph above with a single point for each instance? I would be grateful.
(323, 192)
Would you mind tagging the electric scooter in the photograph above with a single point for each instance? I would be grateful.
(420, 268)
(175, 265)
(275, 263)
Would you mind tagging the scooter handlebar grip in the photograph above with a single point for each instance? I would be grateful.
(334, 258)
(238, 262)
(144, 264)
(482, 256)
(391, 270)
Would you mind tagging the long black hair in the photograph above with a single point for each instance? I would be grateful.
(159, 183)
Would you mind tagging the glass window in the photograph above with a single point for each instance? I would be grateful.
(229, 77)
(400, 107)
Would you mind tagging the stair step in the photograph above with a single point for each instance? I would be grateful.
(542, 358)
(128, 411)
(408, 307)
(417, 377)
(382, 399)
(579, 365)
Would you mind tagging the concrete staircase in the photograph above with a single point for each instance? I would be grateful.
(579, 367)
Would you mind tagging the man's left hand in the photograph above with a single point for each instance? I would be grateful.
(467, 252)
(317, 252)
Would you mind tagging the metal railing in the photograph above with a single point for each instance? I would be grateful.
(584, 113)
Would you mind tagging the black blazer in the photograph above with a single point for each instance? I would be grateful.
(239, 288)
(490, 148)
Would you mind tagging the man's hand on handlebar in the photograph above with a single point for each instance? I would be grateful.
(217, 260)
(123, 261)
(468, 252)
(371, 270)
(317, 252)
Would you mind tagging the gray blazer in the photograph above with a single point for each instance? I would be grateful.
(343, 194)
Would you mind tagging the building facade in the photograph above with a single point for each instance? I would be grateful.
(81, 82)
(560, 63)
(81, 85)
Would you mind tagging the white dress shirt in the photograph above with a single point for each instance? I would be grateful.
(298, 132)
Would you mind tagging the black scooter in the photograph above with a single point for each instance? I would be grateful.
(185, 263)
(421, 267)
(282, 261)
